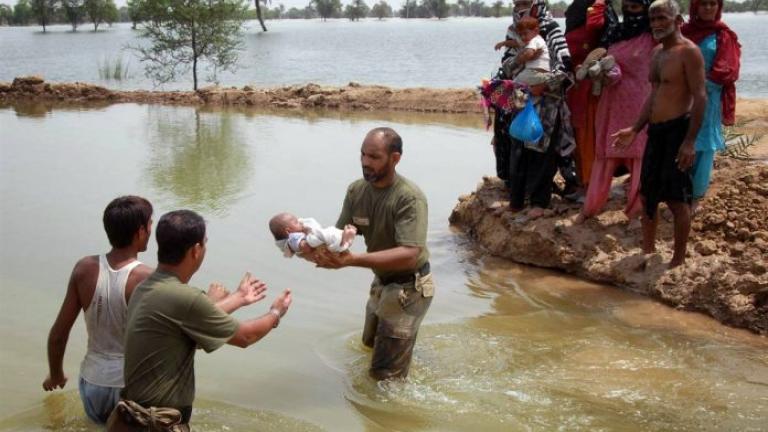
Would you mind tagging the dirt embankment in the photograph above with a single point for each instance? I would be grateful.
(726, 274)
(351, 97)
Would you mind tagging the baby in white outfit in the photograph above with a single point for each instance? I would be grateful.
(299, 236)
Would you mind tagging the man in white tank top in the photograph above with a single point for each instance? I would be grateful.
(101, 285)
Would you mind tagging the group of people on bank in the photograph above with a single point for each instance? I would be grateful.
(647, 68)
(145, 325)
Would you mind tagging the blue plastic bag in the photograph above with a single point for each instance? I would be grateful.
(526, 126)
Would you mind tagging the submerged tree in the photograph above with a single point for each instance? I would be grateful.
(381, 10)
(135, 13)
(258, 12)
(96, 11)
(22, 12)
(327, 8)
(184, 33)
(73, 11)
(6, 14)
(356, 10)
(43, 11)
(437, 8)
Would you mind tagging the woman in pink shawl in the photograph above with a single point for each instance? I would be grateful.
(625, 89)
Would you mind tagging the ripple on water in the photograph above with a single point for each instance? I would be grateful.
(483, 377)
(63, 412)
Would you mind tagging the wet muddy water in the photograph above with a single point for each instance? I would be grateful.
(504, 347)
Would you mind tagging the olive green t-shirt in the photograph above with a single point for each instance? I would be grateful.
(388, 217)
(167, 321)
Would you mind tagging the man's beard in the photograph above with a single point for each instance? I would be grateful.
(659, 34)
(372, 176)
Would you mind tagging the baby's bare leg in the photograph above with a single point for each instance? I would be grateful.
(348, 235)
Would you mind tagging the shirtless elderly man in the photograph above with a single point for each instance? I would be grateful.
(673, 112)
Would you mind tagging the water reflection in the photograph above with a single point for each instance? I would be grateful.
(197, 156)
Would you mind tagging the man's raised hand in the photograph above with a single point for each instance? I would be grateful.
(251, 289)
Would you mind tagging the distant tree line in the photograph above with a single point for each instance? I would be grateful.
(356, 9)
(97, 12)
(72, 12)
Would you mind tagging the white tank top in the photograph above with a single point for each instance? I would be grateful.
(105, 322)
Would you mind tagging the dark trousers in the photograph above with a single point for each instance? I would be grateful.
(527, 173)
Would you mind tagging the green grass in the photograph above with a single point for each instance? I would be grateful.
(114, 69)
(737, 144)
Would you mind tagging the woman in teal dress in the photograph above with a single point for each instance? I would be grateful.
(722, 53)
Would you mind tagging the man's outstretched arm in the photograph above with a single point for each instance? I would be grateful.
(251, 331)
(59, 334)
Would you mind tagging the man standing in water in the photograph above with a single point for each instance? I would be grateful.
(391, 214)
(168, 320)
(673, 111)
(101, 285)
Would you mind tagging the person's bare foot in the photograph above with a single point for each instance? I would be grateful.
(580, 219)
(216, 292)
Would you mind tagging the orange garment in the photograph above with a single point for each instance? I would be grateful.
(583, 128)
(581, 102)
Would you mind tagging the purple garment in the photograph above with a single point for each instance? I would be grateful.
(623, 97)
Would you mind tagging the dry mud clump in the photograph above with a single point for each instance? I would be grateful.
(351, 97)
(726, 275)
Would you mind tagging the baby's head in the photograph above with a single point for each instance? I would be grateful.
(283, 224)
(527, 28)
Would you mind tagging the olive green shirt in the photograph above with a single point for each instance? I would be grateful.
(167, 321)
(388, 217)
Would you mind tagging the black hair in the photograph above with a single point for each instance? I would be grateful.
(392, 138)
(177, 231)
(123, 218)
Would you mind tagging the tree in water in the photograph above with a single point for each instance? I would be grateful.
(22, 12)
(381, 10)
(111, 13)
(327, 8)
(258, 12)
(6, 15)
(73, 11)
(135, 12)
(43, 11)
(96, 11)
(184, 33)
(356, 10)
(497, 8)
(437, 8)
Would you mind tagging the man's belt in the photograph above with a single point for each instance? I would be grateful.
(405, 278)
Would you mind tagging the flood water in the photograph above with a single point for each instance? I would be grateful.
(456, 52)
(503, 348)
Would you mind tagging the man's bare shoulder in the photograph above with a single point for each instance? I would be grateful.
(86, 267)
(689, 50)
(138, 275)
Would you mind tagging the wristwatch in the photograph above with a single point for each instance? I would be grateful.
(276, 313)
